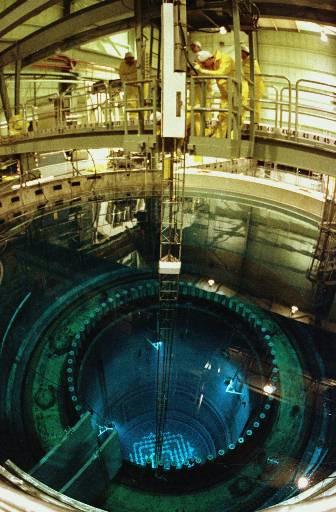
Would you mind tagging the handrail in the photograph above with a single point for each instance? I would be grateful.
(304, 182)
(283, 104)
(283, 77)
(319, 92)
(265, 101)
(309, 181)
(296, 115)
(233, 123)
(146, 104)
(32, 101)
(316, 82)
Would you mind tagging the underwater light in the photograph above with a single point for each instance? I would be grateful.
(302, 482)
(294, 309)
(269, 389)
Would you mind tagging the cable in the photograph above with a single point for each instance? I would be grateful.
(185, 48)
(19, 307)
(94, 163)
(75, 172)
(251, 11)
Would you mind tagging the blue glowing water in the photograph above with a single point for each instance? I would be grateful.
(209, 402)
(175, 450)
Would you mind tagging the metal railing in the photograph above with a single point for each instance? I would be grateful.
(301, 112)
(303, 180)
(202, 109)
(108, 107)
(312, 109)
(209, 104)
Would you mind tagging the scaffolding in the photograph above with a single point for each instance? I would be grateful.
(173, 131)
(172, 196)
(322, 270)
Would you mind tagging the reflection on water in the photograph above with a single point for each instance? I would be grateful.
(246, 246)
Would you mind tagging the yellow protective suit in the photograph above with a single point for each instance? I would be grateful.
(17, 125)
(224, 66)
(199, 103)
(259, 88)
(128, 73)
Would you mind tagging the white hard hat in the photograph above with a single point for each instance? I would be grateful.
(157, 116)
(245, 49)
(196, 43)
(203, 55)
(129, 55)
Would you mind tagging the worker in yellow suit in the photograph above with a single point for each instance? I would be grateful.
(217, 64)
(196, 47)
(128, 73)
(259, 86)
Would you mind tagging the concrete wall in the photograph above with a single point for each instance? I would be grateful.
(262, 249)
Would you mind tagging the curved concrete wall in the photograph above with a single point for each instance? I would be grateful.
(47, 194)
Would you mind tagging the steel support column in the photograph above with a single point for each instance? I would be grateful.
(21, 11)
(172, 195)
(17, 87)
(4, 97)
(140, 47)
(252, 104)
(67, 7)
(322, 270)
(238, 75)
(69, 31)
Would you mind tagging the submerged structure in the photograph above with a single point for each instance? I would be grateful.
(167, 295)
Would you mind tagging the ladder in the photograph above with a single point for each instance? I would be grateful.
(322, 269)
(172, 197)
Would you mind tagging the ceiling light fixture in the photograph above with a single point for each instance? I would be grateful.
(222, 30)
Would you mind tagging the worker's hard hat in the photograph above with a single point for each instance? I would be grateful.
(129, 55)
(203, 55)
(196, 43)
(245, 49)
(157, 116)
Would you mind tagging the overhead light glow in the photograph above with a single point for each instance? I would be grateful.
(211, 282)
(222, 30)
(302, 482)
